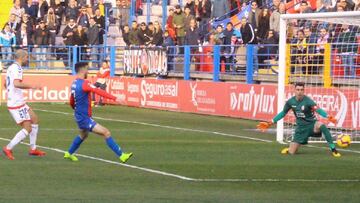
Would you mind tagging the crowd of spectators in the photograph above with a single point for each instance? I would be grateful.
(38, 22)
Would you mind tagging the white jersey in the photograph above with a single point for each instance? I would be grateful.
(15, 96)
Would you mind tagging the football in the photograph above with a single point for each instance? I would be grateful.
(343, 140)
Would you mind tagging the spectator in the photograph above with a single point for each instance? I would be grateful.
(170, 25)
(143, 35)
(347, 48)
(275, 17)
(14, 25)
(133, 35)
(126, 35)
(299, 57)
(23, 38)
(191, 5)
(269, 51)
(247, 32)
(218, 34)
(357, 6)
(220, 8)
(102, 76)
(235, 7)
(264, 24)
(41, 41)
(59, 13)
(197, 9)
(150, 34)
(170, 50)
(100, 21)
(83, 18)
(305, 8)
(188, 18)
(72, 10)
(276, 4)
(81, 40)
(254, 15)
(17, 10)
(122, 13)
(227, 40)
(7, 40)
(322, 40)
(68, 33)
(320, 6)
(59, 10)
(179, 25)
(93, 37)
(320, 49)
(29, 24)
(31, 9)
(102, 7)
(158, 34)
(192, 36)
(51, 23)
(42, 9)
(205, 15)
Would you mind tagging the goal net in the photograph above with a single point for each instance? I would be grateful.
(323, 51)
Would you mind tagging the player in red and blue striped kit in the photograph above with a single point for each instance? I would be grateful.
(80, 101)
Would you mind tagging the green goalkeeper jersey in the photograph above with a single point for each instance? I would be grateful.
(303, 110)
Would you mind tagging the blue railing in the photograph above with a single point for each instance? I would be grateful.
(211, 61)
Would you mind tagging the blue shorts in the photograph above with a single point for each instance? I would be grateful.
(86, 124)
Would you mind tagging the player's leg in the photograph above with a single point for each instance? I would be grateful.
(33, 135)
(104, 132)
(83, 134)
(293, 148)
(21, 135)
(22, 118)
(320, 127)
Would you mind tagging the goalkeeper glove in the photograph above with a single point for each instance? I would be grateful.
(263, 126)
(332, 119)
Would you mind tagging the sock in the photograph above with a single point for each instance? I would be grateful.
(17, 139)
(75, 144)
(113, 146)
(327, 135)
(33, 135)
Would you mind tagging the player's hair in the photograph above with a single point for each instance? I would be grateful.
(300, 84)
(20, 54)
(80, 65)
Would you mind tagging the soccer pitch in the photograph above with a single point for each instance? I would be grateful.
(178, 157)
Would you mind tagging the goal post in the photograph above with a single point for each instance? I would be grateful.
(326, 82)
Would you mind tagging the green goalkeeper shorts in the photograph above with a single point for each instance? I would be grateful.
(302, 133)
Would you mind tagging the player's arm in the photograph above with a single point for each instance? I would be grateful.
(90, 88)
(264, 125)
(323, 114)
(21, 85)
(72, 101)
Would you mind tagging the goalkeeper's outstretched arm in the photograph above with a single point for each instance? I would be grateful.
(323, 114)
(263, 126)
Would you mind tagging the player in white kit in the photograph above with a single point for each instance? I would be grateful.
(19, 110)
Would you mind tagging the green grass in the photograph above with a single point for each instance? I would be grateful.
(197, 155)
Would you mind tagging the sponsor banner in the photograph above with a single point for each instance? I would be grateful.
(257, 102)
(149, 61)
(55, 88)
(203, 97)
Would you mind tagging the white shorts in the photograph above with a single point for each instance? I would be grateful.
(20, 114)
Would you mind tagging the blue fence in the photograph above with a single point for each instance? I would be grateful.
(248, 61)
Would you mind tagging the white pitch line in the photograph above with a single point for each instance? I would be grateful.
(339, 149)
(165, 126)
(192, 179)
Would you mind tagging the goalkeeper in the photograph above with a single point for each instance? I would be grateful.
(307, 124)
